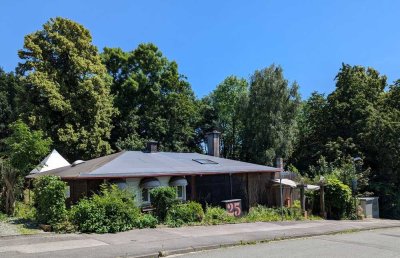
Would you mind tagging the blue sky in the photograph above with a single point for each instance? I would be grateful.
(211, 40)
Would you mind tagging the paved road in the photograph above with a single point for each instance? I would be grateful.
(173, 240)
(374, 243)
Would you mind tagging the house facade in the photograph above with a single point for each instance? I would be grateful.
(207, 179)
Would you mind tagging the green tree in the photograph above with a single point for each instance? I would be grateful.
(9, 91)
(25, 147)
(227, 100)
(67, 89)
(155, 102)
(270, 120)
(311, 135)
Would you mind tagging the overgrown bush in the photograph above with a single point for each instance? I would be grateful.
(338, 199)
(24, 211)
(162, 199)
(49, 199)
(184, 213)
(217, 215)
(113, 210)
(265, 214)
(146, 221)
(261, 213)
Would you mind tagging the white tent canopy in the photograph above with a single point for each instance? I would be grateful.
(293, 184)
(285, 181)
(52, 161)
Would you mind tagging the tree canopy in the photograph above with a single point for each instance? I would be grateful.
(270, 118)
(227, 101)
(154, 101)
(67, 89)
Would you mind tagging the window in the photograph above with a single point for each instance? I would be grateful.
(146, 194)
(179, 192)
(205, 161)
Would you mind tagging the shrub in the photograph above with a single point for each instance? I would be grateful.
(261, 213)
(217, 215)
(162, 199)
(146, 221)
(49, 199)
(184, 213)
(64, 227)
(113, 210)
(337, 199)
(24, 211)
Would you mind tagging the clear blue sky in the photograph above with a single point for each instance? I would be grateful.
(213, 39)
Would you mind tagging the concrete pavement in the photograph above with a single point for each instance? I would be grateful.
(375, 243)
(167, 241)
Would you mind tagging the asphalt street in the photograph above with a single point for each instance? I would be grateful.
(374, 243)
(169, 241)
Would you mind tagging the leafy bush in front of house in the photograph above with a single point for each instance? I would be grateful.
(184, 213)
(217, 215)
(24, 211)
(162, 199)
(49, 199)
(146, 221)
(113, 210)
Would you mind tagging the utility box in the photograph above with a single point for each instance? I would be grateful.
(370, 206)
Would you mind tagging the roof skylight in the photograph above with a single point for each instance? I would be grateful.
(205, 161)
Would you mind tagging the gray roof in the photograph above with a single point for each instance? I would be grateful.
(141, 164)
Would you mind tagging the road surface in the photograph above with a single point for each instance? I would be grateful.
(374, 243)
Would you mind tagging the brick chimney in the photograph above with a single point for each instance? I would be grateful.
(279, 163)
(213, 143)
(151, 146)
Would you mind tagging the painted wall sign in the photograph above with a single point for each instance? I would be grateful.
(233, 207)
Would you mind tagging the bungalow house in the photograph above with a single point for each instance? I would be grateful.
(203, 178)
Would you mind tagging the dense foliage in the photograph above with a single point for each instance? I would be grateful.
(338, 199)
(67, 89)
(9, 102)
(25, 147)
(270, 124)
(155, 102)
(49, 199)
(217, 215)
(162, 199)
(227, 102)
(113, 210)
(184, 213)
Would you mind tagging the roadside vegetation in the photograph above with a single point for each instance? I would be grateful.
(68, 95)
(113, 210)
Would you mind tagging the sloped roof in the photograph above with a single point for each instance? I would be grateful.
(52, 161)
(140, 164)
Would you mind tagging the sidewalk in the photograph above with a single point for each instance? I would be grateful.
(167, 241)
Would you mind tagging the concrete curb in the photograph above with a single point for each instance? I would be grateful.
(165, 253)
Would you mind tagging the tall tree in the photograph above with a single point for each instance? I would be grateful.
(155, 102)
(24, 150)
(270, 121)
(311, 132)
(9, 91)
(227, 100)
(67, 89)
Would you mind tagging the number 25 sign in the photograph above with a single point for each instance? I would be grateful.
(234, 208)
